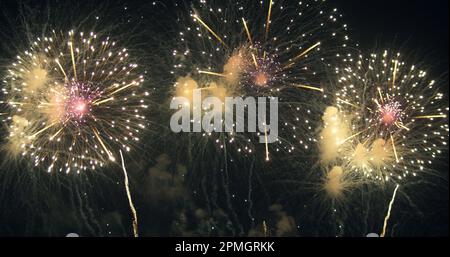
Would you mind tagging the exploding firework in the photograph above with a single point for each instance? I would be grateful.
(73, 100)
(253, 49)
(260, 48)
(389, 122)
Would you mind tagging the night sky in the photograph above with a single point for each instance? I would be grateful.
(167, 196)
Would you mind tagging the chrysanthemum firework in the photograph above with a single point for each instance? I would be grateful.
(389, 121)
(260, 48)
(73, 100)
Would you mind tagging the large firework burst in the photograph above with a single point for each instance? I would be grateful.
(74, 99)
(389, 122)
(260, 48)
(252, 49)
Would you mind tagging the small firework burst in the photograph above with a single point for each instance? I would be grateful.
(79, 101)
(264, 73)
(73, 100)
(390, 113)
(389, 121)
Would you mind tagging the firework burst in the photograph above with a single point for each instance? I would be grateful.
(73, 100)
(260, 48)
(389, 122)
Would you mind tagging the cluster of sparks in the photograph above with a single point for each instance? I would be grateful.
(74, 100)
(386, 122)
(232, 51)
(389, 121)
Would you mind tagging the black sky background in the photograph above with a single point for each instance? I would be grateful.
(419, 27)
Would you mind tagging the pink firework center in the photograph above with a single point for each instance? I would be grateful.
(390, 113)
(265, 69)
(79, 101)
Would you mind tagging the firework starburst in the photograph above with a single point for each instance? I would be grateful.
(390, 121)
(74, 99)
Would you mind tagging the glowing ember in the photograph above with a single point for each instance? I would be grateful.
(261, 79)
(390, 113)
(79, 101)
(264, 70)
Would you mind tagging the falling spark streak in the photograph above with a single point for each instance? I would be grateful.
(254, 61)
(211, 31)
(345, 102)
(269, 13)
(73, 61)
(265, 228)
(393, 147)
(310, 87)
(16, 103)
(111, 157)
(103, 101)
(386, 219)
(61, 68)
(44, 129)
(381, 95)
(378, 104)
(301, 55)
(350, 137)
(267, 144)
(247, 31)
(122, 88)
(401, 126)
(130, 201)
(57, 133)
(212, 73)
(395, 73)
(430, 116)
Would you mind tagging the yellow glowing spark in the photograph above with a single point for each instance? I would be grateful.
(376, 101)
(111, 157)
(210, 30)
(265, 228)
(393, 147)
(301, 55)
(310, 87)
(247, 31)
(73, 61)
(345, 102)
(44, 129)
(352, 136)
(56, 134)
(103, 101)
(267, 144)
(61, 68)
(17, 103)
(395, 73)
(269, 13)
(123, 88)
(254, 61)
(431, 116)
(400, 125)
(386, 219)
(212, 73)
(381, 95)
(130, 201)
